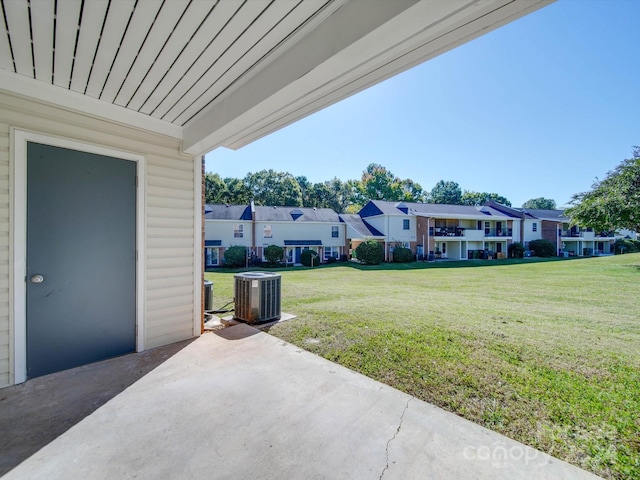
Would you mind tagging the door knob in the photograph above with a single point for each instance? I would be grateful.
(37, 279)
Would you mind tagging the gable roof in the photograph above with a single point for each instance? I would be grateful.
(509, 211)
(435, 210)
(271, 213)
(227, 212)
(360, 226)
(295, 214)
(551, 215)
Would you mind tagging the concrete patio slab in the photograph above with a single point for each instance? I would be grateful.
(241, 404)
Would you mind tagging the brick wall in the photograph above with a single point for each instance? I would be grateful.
(550, 232)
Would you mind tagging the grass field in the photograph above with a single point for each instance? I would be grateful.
(545, 352)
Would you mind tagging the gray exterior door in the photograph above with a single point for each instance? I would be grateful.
(81, 258)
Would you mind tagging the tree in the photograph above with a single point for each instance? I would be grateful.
(411, 191)
(306, 189)
(268, 187)
(378, 183)
(446, 192)
(540, 203)
(480, 198)
(237, 192)
(613, 202)
(215, 190)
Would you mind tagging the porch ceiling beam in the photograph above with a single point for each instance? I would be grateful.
(285, 77)
(360, 45)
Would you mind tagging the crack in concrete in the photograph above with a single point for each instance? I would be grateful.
(386, 467)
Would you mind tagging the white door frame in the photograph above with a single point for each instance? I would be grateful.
(19, 140)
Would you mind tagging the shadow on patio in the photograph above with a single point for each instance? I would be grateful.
(38, 411)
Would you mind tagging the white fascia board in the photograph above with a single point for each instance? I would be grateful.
(279, 82)
(76, 102)
(416, 34)
(453, 216)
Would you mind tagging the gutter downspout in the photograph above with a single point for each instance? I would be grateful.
(386, 242)
(428, 240)
(253, 228)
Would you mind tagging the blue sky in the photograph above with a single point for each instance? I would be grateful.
(537, 108)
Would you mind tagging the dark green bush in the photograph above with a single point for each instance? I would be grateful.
(542, 248)
(332, 260)
(625, 245)
(370, 252)
(515, 250)
(402, 255)
(235, 256)
(309, 258)
(273, 254)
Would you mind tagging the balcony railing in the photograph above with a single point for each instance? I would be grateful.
(449, 232)
(574, 234)
(494, 232)
(462, 232)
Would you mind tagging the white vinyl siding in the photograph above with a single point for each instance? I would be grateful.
(4, 250)
(170, 246)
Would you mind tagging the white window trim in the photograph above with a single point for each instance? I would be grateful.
(18, 249)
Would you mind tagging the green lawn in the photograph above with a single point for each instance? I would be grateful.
(545, 352)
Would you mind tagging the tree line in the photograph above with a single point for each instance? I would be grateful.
(269, 187)
(612, 203)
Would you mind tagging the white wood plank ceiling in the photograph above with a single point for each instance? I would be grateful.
(165, 58)
(225, 72)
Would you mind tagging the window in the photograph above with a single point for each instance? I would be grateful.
(335, 231)
(405, 224)
(330, 252)
(238, 231)
(487, 228)
(211, 257)
(267, 231)
(534, 227)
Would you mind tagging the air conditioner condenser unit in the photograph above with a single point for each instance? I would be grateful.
(257, 296)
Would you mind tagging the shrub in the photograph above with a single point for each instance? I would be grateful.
(332, 260)
(402, 255)
(309, 258)
(542, 248)
(625, 245)
(235, 256)
(370, 252)
(515, 250)
(273, 254)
